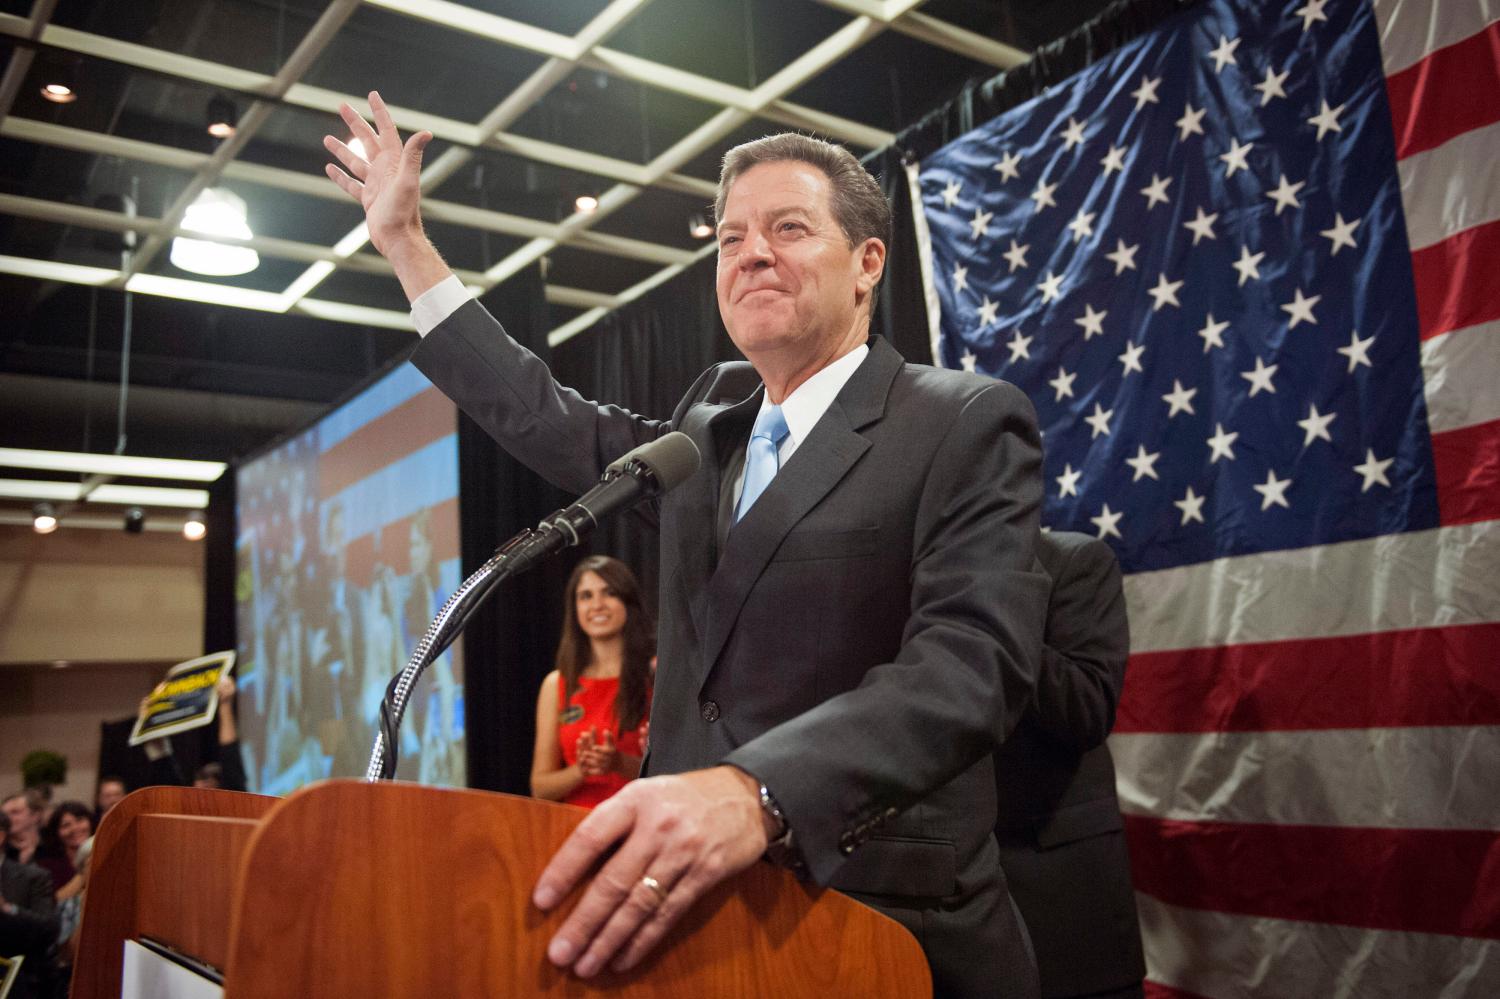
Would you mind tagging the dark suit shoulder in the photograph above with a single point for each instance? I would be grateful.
(932, 384)
(1062, 552)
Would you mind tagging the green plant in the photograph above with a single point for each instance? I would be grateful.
(44, 767)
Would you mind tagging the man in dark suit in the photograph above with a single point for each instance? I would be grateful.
(849, 597)
(1062, 843)
(28, 918)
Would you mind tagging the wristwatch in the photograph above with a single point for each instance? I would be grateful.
(781, 849)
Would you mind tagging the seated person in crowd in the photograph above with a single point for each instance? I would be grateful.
(592, 709)
(28, 842)
(28, 914)
(111, 790)
(1062, 842)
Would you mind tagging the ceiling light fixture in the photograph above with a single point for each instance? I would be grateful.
(357, 147)
(215, 212)
(194, 529)
(135, 520)
(59, 88)
(44, 518)
(86, 463)
(223, 116)
(698, 227)
(586, 204)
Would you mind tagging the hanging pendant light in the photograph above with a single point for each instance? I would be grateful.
(215, 212)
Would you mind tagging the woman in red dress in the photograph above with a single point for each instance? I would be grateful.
(591, 712)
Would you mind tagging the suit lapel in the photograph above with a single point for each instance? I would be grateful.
(815, 468)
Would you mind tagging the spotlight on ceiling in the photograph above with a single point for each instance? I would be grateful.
(223, 116)
(215, 212)
(194, 529)
(58, 83)
(357, 147)
(586, 204)
(44, 518)
(135, 520)
(698, 227)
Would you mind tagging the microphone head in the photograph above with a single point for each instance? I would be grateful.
(670, 459)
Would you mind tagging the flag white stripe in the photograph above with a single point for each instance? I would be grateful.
(1453, 187)
(1460, 371)
(1397, 778)
(1421, 579)
(1411, 30)
(1223, 955)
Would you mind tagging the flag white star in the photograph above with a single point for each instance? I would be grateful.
(1008, 166)
(968, 360)
(1260, 378)
(1190, 123)
(1316, 425)
(1358, 351)
(1202, 226)
(1099, 420)
(1213, 333)
(1180, 399)
(1248, 265)
(1271, 86)
(1235, 158)
(1063, 383)
(987, 312)
(1043, 195)
(1374, 469)
(1310, 12)
(1131, 358)
(979, 225)
(1341, 235)
(1221, 444)
(1113, 160)
(1273, 491)
(1146, 92)
(1107, 522)
(1124, 256)
(1156, 191)
(1082, 225)
(1092, 322)
(1144, 464)
(1164, 293)
(1050, 286)
(960, 277)
(1019, 346)
(1191, 506)
(1016, 255)
(1073, 134)
(1068, 482)
(1301, 309)
(1285, 194)
(1224, 54)
(1327, 120)
(950, 193)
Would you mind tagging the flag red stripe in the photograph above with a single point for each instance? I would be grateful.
(1354, 681)
(1451, 91)
(1410, 880)
(411, 426)
(1467, 462)
(1458, 284)
(393, 548)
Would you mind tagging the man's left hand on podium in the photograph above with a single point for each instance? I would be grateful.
(678, 837)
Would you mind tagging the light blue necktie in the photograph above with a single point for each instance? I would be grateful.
(761, 461)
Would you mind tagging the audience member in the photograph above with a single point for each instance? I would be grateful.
(28, 915)
(227, 771)
(71, 824)
(1062, 842)
(111, 790)
(592, 709)
(28, 841)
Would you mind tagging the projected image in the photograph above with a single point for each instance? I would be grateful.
(347, 546)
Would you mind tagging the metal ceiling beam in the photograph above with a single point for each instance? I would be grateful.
(22, 57)
(903, 17)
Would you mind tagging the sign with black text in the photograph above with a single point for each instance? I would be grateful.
(188, 698)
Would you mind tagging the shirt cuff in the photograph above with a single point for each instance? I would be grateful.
(438, 303)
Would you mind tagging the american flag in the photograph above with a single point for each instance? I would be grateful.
(1248, 269)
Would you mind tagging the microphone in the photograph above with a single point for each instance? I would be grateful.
(649, 470)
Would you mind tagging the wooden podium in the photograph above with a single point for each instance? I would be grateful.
(346, 889)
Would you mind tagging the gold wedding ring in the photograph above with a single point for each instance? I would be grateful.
(655, 887)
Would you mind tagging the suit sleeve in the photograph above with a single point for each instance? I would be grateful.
(511, 394)
(1087, 644)
(968, 660)
(33, 926)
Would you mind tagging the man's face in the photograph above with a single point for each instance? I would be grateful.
(22, 819)
(110, 793)
(788, 278)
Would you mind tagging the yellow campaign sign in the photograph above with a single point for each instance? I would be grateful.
(187, 698)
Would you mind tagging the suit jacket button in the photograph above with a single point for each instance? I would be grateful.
(709, 710)
(847, 843)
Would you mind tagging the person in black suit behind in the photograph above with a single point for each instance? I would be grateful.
(850, 602)
(1062, 843)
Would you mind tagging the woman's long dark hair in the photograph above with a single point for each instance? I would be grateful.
(78, 810)
(574, 651)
